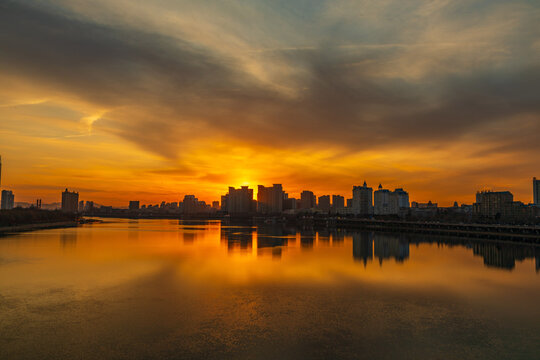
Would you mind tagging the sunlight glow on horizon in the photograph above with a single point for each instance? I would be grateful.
(177, 98)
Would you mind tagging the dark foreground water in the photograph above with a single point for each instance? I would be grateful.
(163, 289)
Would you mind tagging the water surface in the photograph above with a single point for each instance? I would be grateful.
(160, 289)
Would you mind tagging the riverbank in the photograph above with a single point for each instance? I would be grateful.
(521, 233)
(38, 226)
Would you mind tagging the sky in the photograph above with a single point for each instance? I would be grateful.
(151, 100)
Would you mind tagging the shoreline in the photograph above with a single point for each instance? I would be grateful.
(37, 226)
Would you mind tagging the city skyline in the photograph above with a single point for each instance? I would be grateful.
(255, 190)
(140, 100)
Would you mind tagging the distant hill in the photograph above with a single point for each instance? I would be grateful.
(51, 206)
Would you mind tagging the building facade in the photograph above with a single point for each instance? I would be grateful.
(383, 202)
(240, 201)
(70, 201)
(493, 204)
(362, 200)
(536, 192)
(338, 202)
(402, 198)
(270, 199)
(324, 203)
(8, 200)
(307, 200)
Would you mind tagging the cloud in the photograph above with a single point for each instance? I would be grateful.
(349, 76)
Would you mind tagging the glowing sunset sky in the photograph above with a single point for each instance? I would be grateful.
(151, 100)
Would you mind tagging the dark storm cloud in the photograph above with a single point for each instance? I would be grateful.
(163, 89)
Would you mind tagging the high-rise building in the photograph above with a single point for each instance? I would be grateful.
(70, 201)
(224, 205)
(81, 206)
(493, 203)
(215, 205)
(240, 201)
(8, 200)
(338, 202)
(362, 201)
(403, 198)
(289, 203)
(190, 204)
(388, 202)
(382, 201)
(270, 199)
(307, 200)
(324, 203)
(536, 192)
(134, 205)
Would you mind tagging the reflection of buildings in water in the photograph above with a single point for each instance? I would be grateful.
(237, 238)
(307, 238)
(275, 252)
(324, 236)
(363, 246)
(537, 262)
(495, 254)
(68, 238)
(271, 239)
(273, 235)
(338, 237)
(189, 237)
(193, 222)
(502, 256)
(264, 241)
(387, 246)
(133, 230)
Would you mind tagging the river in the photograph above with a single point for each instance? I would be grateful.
(169, 289)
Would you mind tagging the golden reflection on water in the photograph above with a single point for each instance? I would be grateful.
(169, 289)
(207, 252)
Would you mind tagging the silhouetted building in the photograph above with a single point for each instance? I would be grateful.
(536, 192)
(382, 202)
(215, 205)
(224, 204)
(388, 202)
(324, 203)
(240, 201)
(134, 205)
(307, 200)
(8, 200)
(428, 205)
(402, 198)
(81, 206)
(270, 199)
(289, 203)
(493, 204)
(338, 202)
(89, 207)
(362, 201)
(190, 204)
(70, 201)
